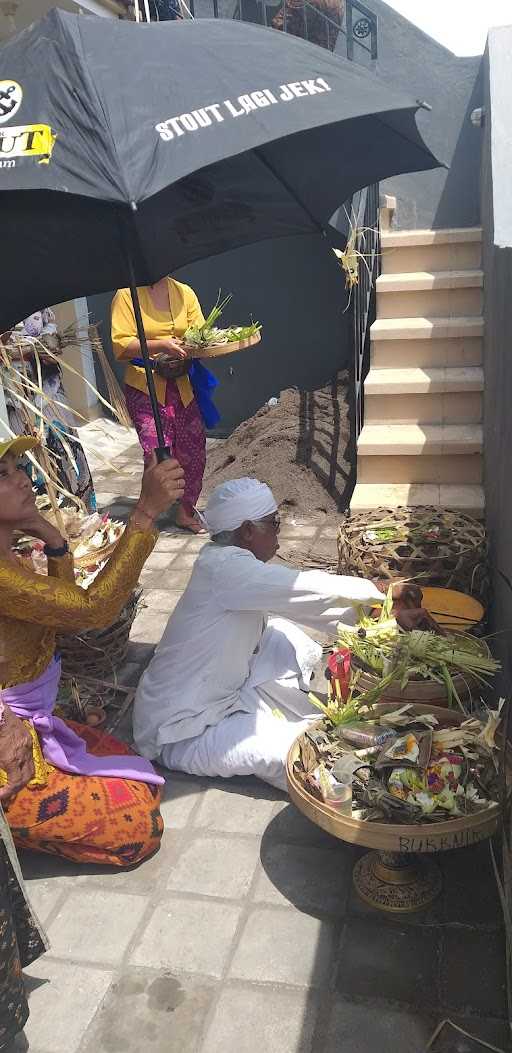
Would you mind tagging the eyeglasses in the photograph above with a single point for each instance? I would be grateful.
(273, 521)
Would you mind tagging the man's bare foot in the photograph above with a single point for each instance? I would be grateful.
(188, 521)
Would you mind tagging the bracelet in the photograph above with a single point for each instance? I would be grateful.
(54, 553)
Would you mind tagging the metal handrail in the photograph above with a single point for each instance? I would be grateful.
(360, 23)
(366, 222)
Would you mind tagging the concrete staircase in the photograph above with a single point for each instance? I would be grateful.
(422, 438)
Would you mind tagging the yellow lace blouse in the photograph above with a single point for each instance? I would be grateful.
(33, 607)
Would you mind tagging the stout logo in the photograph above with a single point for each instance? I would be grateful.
(11, 97)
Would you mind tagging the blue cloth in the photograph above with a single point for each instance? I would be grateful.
(203, 382)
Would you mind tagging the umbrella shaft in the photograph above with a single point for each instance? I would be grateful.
(162, 452)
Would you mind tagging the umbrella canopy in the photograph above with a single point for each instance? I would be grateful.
(127, 151)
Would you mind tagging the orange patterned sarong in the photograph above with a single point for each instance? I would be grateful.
(88, 818)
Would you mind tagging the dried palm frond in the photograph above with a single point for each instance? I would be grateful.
(460, 1031)
(114, 389)
(350, 258)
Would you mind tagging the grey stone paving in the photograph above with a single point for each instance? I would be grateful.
(243, 934)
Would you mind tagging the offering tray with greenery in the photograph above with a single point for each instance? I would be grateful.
(210, 340)
(424, 779)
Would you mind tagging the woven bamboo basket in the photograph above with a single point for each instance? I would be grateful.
(98, 653)
(433, 546)
(428, 691)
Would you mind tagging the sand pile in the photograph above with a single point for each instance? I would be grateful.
(301, 447)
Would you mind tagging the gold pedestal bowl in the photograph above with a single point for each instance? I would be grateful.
(399, 874)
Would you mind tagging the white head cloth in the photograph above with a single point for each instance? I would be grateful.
(237, 502)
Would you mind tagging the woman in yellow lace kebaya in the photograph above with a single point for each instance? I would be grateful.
(168, 308)
(88, 797)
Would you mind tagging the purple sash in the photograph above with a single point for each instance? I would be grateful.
(60, 745)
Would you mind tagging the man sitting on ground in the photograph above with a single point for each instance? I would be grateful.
(227, 690)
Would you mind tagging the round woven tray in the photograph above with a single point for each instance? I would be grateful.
(99, 652)
(390, 837)
(216, 350)
(95, 556)
(455, 559)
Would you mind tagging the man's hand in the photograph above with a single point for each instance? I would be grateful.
(406, 596)
(16, 756)
(417, 618)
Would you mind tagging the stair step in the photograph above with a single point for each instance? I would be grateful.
(425, 281)
(406, 251)
(469, 499)
(426, 328)
(417, 381)
(426, 354)
(378, 440)
(451, 236)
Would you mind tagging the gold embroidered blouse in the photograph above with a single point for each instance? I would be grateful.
(34, 607)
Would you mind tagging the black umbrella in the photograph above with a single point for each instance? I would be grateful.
(129, 150)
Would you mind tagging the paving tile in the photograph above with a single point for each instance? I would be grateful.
(158, 561)
(232, 812)
(63, 999)
(170, 541)
(357, 908)
(389, 962)
(470, 894)
(180, 795)
(365, 1028)
(292, 827)
(216, 866)
(274, 1021)
(154, 1012)
(44, 897)
(95, 925)
(181, 561)
(283, 946)
(39, 866)
(105, 498)
(495, 1032)
(162, 599)
(473, 971)
(189, 935)
(298, 530)
(174, 578)
(141, 880)
(129, 674)
(140, 653)
(149, 626)
(122, 509)
(310, 878)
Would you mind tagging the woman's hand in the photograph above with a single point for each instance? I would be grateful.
(162, 485)
(168, 348)
(35, 525)
(16, 756)
(169, 371)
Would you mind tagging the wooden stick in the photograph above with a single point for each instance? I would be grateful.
(43, 458)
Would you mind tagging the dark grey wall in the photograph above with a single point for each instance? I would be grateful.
(497, 224)
(425, 70)
(295, 288)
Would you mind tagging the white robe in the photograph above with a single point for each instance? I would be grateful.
(207, 702)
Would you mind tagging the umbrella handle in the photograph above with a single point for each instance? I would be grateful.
(163, 453)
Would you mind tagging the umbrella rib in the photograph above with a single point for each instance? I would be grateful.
(290, 190)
